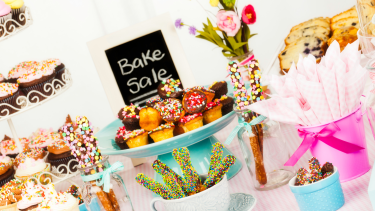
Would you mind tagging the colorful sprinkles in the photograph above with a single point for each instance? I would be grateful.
(130, 111)
(162, 127)
(188, 118)
(242, 99)
(255, 85)
(212, 104)
(170, 109)
(171, 85)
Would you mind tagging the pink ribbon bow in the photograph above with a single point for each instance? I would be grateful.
(325, 135)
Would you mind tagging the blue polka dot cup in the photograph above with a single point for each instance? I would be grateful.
(324, 195)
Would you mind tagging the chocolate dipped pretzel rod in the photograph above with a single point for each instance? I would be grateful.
(153, 186)
(162, 169)
(182, 157)
(216, 156)
(221, 168)
(103, 197)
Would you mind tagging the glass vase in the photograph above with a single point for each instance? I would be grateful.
(265, 152)
(94, 194)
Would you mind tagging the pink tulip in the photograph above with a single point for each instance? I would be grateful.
(248, 14)
(229, 22)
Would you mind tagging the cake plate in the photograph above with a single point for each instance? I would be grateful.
(199, 142)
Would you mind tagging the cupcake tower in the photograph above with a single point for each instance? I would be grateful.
(174, 112)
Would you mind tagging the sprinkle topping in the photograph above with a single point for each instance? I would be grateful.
(162, 127)
(188, 118)
(171, 85)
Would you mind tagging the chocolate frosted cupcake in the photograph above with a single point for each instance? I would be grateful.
(220, 88)
(171, 110)
(60, 154)
(119, 139)
(153, 101)
(18, 10)
(130, 117)
(227, 103)
(194, 102)
(8, 94)
(35, 79)
(170, 88)
(210, 94)
(6, 170)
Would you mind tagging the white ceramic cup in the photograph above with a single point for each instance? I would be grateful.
(215, 198)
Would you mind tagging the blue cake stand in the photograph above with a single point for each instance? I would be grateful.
(199, 142)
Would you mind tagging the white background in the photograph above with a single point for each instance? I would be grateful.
(62, 28)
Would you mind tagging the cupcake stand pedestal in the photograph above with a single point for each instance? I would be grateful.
(12, 30)
(57, 87)
(199, 142)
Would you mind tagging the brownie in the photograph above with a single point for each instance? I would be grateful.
(220, 88)
(227, 103)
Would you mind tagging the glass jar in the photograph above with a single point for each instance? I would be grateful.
(99, 195)
(267, 155)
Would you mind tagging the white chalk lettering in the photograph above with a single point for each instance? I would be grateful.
(161, 73)
(147, 57)
(122, 67)
(157, 53)
(148, 81)
(133, 84)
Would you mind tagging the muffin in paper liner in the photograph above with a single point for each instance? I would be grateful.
(40, 88)
(43, 178)
(8, 25)
(12, 100)
(56, 163)
(19, 14)
(11, 207)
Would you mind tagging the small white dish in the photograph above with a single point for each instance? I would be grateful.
(242, 202)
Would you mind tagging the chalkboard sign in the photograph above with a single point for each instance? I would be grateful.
(140, 65)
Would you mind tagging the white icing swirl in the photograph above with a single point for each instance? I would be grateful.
(31, 195)
(30, 167)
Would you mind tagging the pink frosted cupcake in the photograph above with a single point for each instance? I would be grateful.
(8, 146)
(8, 94)
(57, 65)
(5, 14)
(36, 79)
(20, 69)
(42, 138)
(2, 79)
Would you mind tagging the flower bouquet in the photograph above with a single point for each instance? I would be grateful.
(231, 32)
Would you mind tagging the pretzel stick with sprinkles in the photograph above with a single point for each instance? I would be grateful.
(221, 169)
(153, 186)
(162, 169)
(192, 178)
(216, 156)
(175, 191)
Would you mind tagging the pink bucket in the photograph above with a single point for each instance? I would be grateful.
(351, 165)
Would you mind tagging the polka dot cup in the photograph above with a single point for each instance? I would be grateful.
(324, 195)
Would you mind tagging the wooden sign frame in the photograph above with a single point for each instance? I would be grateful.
(98, 47)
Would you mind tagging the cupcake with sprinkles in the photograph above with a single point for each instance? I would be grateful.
(212, 112)
(162, 132)
(129, 115)
(59, 68)
(170, 88)
(2, 79)
(171, 110)
(35, 79)
(119, 139)
(6, 170)
(9, 147)
(194, 101)
(210, 94)
(59, 155)
(8, 94)
(30, 163)
(42, 138)
(136, 138)
(191, 122)
(31, 196)
(153, 101)
(22, 68)
(11, 194)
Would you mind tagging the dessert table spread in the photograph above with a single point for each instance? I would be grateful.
(355, 191)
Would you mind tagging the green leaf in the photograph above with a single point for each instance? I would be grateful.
(246, 31)
(224, 5)
(228, 54)
(252, 35)
(227, 43)
(205, 28)
(238, 36)
(205, 38)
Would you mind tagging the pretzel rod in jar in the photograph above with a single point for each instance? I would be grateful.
(258, 158)
(103, 197)
(112, 197)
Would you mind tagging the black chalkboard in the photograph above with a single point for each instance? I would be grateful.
(140, 65)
